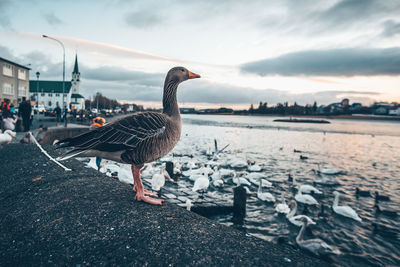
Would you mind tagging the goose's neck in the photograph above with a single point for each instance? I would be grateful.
(336, 201)
(170, 103)
(292, 212)
(301, 233)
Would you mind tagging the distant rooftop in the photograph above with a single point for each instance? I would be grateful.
(49, 86)
(11, 62)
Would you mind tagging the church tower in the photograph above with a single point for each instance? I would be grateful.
(76, 81)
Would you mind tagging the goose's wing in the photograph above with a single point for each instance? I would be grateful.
(125, 133)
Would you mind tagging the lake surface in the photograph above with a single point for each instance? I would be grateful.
(366, 153)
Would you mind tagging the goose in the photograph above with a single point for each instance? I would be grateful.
(6, 137)
(344, 210)
(389, 213)
(327, 171)
(324, 180)
(296, 219)
(306, 188)
(315, 245)
(381, 197)
(201, 184)
(136, 139)
(282, 207)
(305, 199)
(362, 193)
(264, 196)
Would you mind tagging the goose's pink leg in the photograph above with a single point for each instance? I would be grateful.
(140, 191)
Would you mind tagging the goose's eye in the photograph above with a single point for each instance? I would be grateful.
(182, 70)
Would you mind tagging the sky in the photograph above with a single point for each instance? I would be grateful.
(245, 51)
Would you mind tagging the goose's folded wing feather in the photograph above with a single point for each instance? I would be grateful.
(125, 133)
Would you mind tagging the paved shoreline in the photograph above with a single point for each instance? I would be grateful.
(52, 217)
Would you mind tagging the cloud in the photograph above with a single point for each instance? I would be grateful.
(390, 28)
(53, 19)
(143, 19)
(5, 6)
(334, 62)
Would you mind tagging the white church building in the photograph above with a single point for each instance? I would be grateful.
(49, 93)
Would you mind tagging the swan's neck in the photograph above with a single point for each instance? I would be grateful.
(292, 212)
(294, 181)
(336, 201)
(170, 103)
(259, 187)
(301, 233)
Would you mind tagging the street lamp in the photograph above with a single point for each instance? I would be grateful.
(37, 89)
(63, 84)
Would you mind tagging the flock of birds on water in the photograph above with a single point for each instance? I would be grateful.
(221, 169)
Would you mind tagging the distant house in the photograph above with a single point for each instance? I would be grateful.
(395, 110)
(49, 93)
(14, 81)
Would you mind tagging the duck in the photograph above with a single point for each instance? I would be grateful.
(305, 199)
(264, 196)
(296, 219)
(315, 245)
(305, 188)
(327, 171)
(389, 213)
(362, 193)
(346, 211)
(381, 197)
(136, 139)
(6, 137)
(303, 157)
(201, 184)
(282, 208)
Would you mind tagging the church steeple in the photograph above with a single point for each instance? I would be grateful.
(76, 69)
(76, 77)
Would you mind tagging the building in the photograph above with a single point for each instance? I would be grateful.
(49, 93)
(14, 81)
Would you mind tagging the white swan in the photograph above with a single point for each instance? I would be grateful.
(6, 137)
(158, 179)
(125, 174)
(282, 207)
(324, 180)
(201, 183)
(237, 163)
(327, 171)
(240, 180)
(218, 183)
(226, 173)
(305, 199)
(305, 188)
(296, 219)
(254, 168)
(264, 196)
(315, 245)
(344, 210)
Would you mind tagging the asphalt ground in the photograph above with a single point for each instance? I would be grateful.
(49, 217)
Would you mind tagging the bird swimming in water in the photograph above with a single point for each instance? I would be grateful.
(137, 139)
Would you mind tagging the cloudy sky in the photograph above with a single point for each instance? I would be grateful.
(245, 51)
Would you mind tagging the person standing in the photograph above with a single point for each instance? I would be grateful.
(98, 122)
(65, 115)
(6, 111)
(25, 111)
(57, 110)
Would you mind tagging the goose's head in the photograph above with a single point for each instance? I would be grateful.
(10, 133)
(180, 74)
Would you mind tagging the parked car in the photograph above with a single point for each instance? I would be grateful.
(49, 112)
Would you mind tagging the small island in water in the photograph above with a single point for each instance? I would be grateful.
(302, 120)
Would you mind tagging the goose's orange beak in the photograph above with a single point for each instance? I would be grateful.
(193, 75)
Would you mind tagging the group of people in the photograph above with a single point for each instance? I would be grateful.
(9, 117)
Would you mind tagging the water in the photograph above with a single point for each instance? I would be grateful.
(366, 152)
